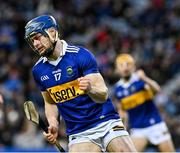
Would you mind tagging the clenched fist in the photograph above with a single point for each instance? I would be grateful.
(52, 134)
(84, 84)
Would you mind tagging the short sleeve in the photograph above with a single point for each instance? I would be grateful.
(87, 62)
(117, 92)
(38, 83)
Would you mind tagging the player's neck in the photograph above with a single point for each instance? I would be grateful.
(57, 51)
(126, 78)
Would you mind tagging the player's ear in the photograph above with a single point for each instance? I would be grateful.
(133, 67)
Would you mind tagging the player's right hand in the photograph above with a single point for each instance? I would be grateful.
(52, 134)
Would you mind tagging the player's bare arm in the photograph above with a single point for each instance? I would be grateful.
(51, 112)
(122, 113)
(1, 99)
(94, 86)
(153, 84)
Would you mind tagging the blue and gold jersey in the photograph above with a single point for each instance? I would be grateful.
(137, 100)
(59, 79)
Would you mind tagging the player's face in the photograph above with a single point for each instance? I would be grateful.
(41, 43)
(125, 69)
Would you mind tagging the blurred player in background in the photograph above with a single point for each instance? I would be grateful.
(135, 92)
(70, 83)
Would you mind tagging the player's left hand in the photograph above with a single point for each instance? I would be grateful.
(141, 74)
(84, 84)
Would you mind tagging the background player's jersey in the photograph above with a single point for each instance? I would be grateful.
(137, 100)
(59, 79)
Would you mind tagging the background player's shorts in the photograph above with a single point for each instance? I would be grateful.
(101, 135)
(155, 134)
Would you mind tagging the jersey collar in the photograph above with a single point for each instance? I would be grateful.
(134, 77)
(60, 56)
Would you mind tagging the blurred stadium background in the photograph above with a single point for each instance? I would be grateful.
(148, 29)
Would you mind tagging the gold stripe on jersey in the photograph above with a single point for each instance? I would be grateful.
(64, 92)
(136, 99)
